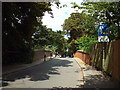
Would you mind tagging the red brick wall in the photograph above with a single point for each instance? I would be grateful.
(83, 56)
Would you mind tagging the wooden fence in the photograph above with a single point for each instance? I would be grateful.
(106, 59)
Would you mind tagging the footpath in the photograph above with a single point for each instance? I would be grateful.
(16, 68)
(93, 78)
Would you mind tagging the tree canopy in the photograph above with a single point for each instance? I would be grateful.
(23, 31)
(18, 23)
(104, 12)
(78, 25)
(92, 14)
(45, 38)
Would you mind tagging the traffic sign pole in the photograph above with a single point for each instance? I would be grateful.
(103, 37)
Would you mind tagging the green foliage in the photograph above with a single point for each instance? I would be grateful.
(21, 53)
(85, 42)
(18, 23)
(73, 23)
(45, 38)
(50, 47)
(42, 36)
(104, 12)
(92, 15)
(78, 25)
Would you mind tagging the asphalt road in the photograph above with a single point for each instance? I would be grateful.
(56, 73)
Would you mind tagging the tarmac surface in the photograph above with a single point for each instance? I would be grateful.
(55, 73)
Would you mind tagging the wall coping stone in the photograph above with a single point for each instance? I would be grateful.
(82, 51)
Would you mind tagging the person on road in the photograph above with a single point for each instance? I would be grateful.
(44, 57)
(50, 55)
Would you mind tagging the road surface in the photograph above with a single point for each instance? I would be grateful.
(56, 73)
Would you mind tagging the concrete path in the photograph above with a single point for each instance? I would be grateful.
(57, 73)
(94, 78)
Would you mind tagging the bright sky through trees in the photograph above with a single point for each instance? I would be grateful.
(59, 14)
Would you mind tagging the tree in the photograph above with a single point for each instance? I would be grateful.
(40, 37)
(72, 24)
(93, 14)
(45, 38)
(78, 25)
(106, 12)
(19, 21)
(60, 42)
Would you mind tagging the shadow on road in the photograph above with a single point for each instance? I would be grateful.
(39, 72)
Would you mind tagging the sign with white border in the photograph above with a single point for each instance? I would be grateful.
(103, 32)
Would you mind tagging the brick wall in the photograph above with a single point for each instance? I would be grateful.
(83, 56)
(112, 59)
(39, 54)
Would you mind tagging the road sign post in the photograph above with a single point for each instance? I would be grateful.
(103, 32)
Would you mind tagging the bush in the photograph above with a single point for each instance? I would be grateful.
(85, 42)
(23, 53)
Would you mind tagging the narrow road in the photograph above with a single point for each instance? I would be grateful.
(56, 73)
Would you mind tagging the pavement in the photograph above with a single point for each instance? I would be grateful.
(15, 68)
(94, 78)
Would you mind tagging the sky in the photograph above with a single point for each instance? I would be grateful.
(59, 15)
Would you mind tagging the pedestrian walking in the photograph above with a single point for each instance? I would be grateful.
(50, 55)
(44, 57)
